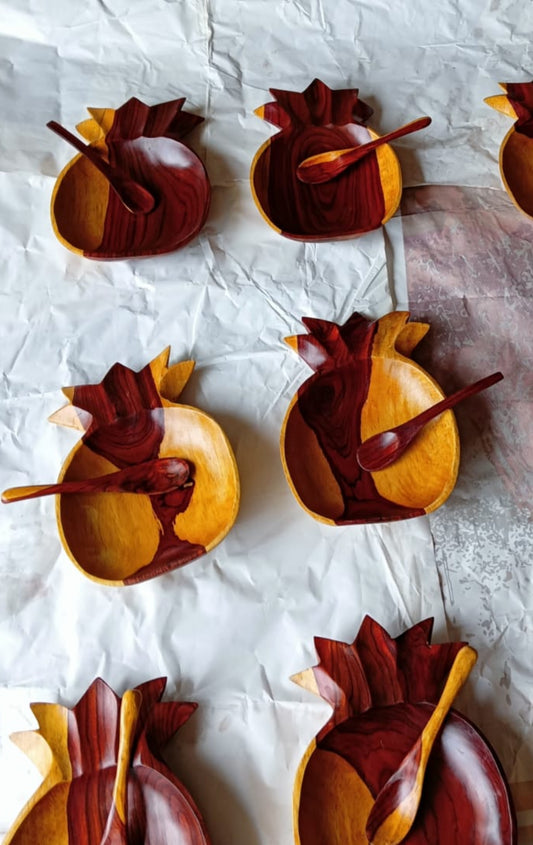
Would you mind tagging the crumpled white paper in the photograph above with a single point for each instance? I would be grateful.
(229, 629)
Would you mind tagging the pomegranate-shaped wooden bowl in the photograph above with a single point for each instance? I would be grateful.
(516, 151)
(105, 782)
(393, 763)
(365, 383)
(136, 189)
(132, 421)
(315, 121)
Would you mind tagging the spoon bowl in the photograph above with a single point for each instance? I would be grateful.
(135, 197)
(382, 449)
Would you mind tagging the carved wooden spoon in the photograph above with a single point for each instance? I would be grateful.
(115, 832)
(136, 198)
(384, 448)
(396, 804)
(153, 478)
(325, 166)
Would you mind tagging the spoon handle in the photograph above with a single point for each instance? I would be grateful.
(135, 197)
(325, 166)
(34, 491)
(396, 804)
(449, 401)
(382, 449)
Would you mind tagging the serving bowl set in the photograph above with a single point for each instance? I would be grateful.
(153, 484)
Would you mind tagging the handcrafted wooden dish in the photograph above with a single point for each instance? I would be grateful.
(516, 150)
(127, 419)
(364, 383)
(105, 781)
(383, 692)
(144, 144)
(312, 122)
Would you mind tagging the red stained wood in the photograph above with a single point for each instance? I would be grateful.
(159, 808)
(520, 95)
(315, 121)
(330, 404)
(144, 144)
(384, 448)
(383, 692)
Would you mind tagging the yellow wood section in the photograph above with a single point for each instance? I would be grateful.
(391, 177)
(78, 206)
(425, 474)
(501, 104)
(307, 470)
(331, 802)
(194, 436)
(306, 680)
(44, 817)
(262, 149)
(108, 536)
(67, 416)
(174, 380)
(409, 337)
(98, 125)
(516, 169)
(129, 714)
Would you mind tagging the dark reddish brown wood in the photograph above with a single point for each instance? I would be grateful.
(151, 478)
(384, 448)
(383, 692)
(145, 144)
(326, 166)
(311, 122)
(136, 198)
(520, 95)
(330, 404)
(82, 809)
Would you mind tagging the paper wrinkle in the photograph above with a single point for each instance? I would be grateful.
(231, 628)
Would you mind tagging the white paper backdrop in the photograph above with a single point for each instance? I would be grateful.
(229, 629)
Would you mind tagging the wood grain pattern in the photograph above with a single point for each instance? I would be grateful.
(326, 166)
(144, 143)
(151, 478)
(105, 780)
(364, 383)
(311, 122)
(383, 449)
(383, 692)
(128, 419)
(516, 150)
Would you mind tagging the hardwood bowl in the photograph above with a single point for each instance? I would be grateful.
(516, 149)
(364, 384)
(315, 121)
(87, 215)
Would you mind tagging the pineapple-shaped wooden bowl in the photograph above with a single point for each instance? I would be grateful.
(394, 763)
(136, 189)
(132, 424)
(315, 121)
(516, 150)
(364, 383)
(105, 782)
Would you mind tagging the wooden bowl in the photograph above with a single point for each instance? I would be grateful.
(364, 383)
(87, 215)
(125, 538)
(314, 121)
(375, 686)
(516, 150)
(105, 780)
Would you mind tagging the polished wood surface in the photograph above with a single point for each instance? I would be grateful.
(143, 144)
(396, 804)
(516, 150)
(152, 478)
(105, 781)
(365, 383)
(383, 449)
(326, 166)
(384, 692)
(312, 122)
(136, 198)
(128, 419)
